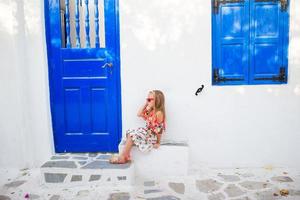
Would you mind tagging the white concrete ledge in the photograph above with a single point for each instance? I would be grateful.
(170, 159)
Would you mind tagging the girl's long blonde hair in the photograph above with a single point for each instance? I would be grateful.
(159, 102)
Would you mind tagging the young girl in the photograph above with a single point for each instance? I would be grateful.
(145, 138)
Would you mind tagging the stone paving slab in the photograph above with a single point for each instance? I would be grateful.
(177, 187)
(55, 197)
(3, 197)
(93, 154)
(208, 185)
(79, 158)
(15, 184)
(59, 157)
(105, 165)
(255, 185)
(55, 177)
(229, 178)
(119, 196)
(282, 179)
(268, 195)
(165, 197)
(59, 164)
(233, 190)
(216, 196)
(148, 191)
(104, 157)
(95, 177)
(149, 183)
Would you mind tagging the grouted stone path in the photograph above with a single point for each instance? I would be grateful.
(74, 169)
(202, 183)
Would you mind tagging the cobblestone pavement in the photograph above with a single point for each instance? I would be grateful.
(265, 183)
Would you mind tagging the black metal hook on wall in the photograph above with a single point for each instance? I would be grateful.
(199, 90)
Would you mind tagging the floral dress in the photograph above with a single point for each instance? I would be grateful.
(145, 137)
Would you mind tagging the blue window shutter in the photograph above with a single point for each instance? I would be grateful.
(250, 41)
(230, 43)
(267, 42)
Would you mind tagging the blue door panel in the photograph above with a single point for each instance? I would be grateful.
(99, 110)
(77, 143)
(72, 110)
(84, 86)
(91, 67)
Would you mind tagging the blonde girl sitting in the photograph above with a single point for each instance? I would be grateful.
(148, 137)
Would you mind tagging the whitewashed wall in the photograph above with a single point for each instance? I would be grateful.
(164, 45)
(25, 124)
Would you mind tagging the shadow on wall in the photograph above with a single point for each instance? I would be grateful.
(17, 17)
(156, 23)
(32, 14)
(8, 22)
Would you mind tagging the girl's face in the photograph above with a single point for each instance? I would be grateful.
(151, 100)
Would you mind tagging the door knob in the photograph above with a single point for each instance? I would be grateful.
(107, 65)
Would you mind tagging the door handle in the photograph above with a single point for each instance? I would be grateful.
(107, 65)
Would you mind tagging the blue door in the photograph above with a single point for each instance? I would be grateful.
(84, 74)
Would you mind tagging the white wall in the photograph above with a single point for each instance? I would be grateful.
(25, 123)
(164, 45)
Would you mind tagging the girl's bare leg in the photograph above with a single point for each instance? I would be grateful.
(127, 148)
(125, 155)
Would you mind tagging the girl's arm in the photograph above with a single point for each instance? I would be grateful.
(141, 110)
(159, 118)
(158, 138)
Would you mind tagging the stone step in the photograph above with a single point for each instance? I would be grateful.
(170, 159)
(73, 169)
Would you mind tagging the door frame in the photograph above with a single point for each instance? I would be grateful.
(52, 52)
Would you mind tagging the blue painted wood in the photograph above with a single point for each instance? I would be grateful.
(97, 43)
(231, 42)
(87, 24)
(267, 42)
(77, 24)
(250, 42)
(85, 98)
(286, 25)
(67, 15)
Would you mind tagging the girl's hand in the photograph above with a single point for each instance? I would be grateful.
(156, 145)
(146, 104)
(148, 107)
(142, 109)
